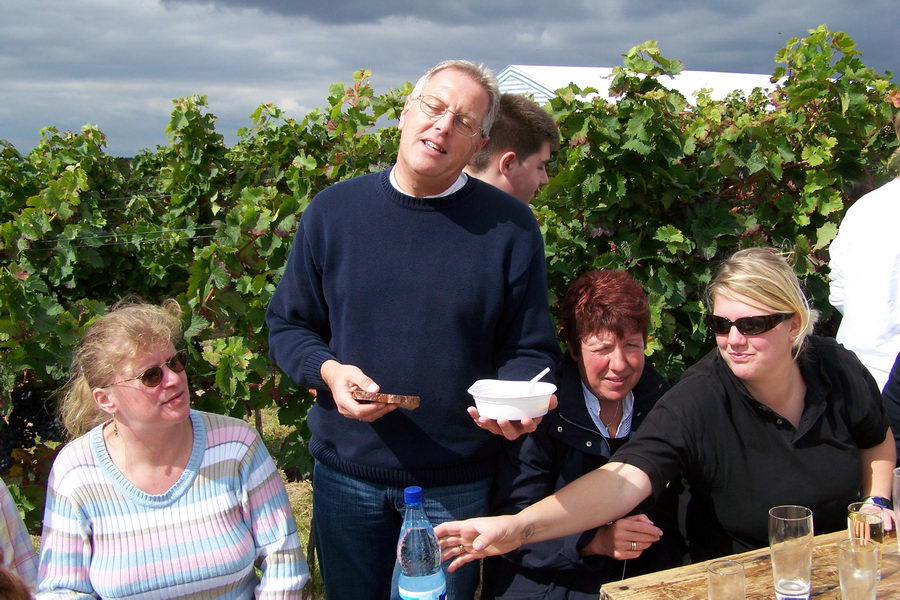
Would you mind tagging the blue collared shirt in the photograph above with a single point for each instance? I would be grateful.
(593, 408)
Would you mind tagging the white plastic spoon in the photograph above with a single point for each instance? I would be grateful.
(534, 379)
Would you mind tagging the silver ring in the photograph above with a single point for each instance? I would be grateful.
(462, 549)
(633, 546)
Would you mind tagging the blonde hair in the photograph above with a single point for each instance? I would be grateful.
(128, 330)
(481, 74)
(766, 278)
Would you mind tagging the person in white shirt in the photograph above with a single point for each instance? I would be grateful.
(865, 278)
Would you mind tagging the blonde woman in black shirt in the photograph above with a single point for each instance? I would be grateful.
(772, 415)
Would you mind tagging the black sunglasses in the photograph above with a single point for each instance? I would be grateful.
(746, 325)
(153, 376)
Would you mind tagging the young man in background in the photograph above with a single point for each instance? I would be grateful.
(516, 155)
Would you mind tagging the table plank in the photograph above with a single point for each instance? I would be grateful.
(689, 582)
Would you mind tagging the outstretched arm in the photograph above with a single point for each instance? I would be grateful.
(576, 507)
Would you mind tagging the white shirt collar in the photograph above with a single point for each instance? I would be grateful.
(457, 185)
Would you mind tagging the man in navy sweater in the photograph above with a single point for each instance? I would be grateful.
(417, 280)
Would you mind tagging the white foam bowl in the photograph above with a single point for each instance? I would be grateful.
(513, 400)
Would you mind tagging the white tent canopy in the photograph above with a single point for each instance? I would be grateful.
(542, 81)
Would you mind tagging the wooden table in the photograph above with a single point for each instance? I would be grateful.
(689, 582)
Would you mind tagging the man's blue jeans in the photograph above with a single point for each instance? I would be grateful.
(357, 524)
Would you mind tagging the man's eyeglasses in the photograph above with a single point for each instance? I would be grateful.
(435, 108)
(153, 376)
(746, 325)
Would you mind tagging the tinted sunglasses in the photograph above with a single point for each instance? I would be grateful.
(153, 376)
(746, 325)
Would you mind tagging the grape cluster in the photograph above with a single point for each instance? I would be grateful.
(33, 416)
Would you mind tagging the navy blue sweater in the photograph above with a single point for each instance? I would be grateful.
(425, 296)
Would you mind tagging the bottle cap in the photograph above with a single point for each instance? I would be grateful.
(412, 495)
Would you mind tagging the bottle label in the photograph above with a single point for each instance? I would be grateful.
(439, 593)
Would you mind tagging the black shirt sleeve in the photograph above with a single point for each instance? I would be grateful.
(664, 445)
(891, 397)
(857, 390)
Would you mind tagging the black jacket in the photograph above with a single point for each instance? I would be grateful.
(565, 446)
(891, 396)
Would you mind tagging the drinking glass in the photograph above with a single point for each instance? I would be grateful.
(858, 569)
(896, 497)
(790, 545)
(725, 580)
(866, 522)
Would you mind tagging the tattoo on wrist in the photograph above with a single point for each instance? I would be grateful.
(528, 533)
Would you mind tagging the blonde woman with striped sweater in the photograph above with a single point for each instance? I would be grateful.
(154, 499)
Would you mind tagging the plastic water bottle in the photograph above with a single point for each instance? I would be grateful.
(418, 553)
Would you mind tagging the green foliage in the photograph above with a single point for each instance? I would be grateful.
(27, 481)
(194, 220)
(666, 189)
(653, 183)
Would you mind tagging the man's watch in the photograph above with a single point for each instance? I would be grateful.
(879, 501)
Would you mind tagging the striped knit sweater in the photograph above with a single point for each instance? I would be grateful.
(16, 551)
(105, 538)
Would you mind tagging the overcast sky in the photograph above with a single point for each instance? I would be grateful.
(119, 63)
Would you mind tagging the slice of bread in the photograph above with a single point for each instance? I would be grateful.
(405, 402)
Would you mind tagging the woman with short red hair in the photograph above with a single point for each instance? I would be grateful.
(606, 390)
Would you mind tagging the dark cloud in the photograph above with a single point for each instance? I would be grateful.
(451, 12)
(119, 64)
(650, 9)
